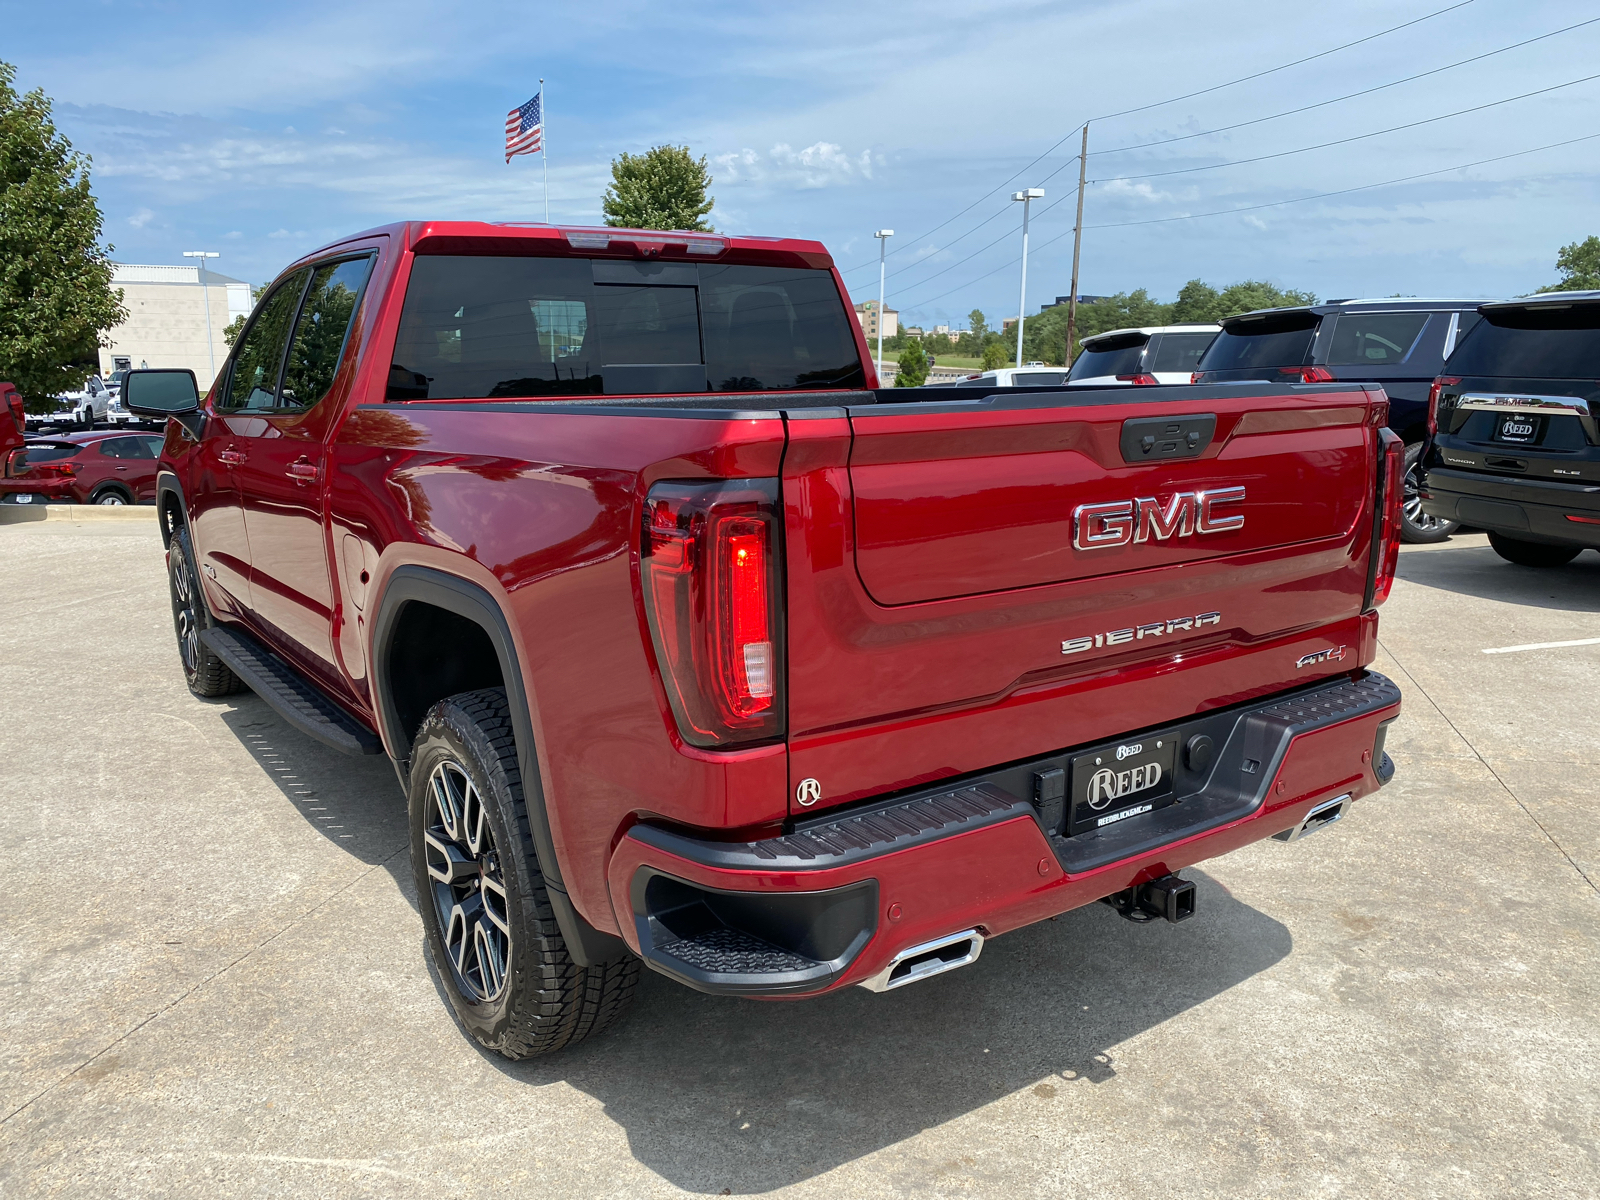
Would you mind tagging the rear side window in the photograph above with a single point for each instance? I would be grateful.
(529, 327)
(127, 447)
(254, 382)
(319, 334)
(1265, 342)
(1537, 342)
(1375, 339)
(1181, 351)
(1110, 356)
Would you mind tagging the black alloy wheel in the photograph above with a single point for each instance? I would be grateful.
(206, 674)
(469, 887)
(1417, 526)
(491, 930)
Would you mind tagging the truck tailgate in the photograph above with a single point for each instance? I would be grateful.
(998, 580)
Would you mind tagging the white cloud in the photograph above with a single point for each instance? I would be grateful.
(819, 165)
(141, 218)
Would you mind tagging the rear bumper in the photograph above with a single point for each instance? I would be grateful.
(834, 901)
(1535, 510)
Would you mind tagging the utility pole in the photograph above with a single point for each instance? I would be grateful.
(205, 288)
(1027, 197)
(544, 155)
(1077, 245)
(883, 236)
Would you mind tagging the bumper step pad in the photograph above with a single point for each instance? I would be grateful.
(296, 699)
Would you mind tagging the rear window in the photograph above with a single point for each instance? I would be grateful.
(1543, 342)
(35, 453)
(527, 327)
(1037, 378)
(1182, 351)
(1265, 342)
(1375, 339)
(1110, 356)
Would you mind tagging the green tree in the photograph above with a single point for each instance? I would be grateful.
(236, 326)
(977, 323)
(664, 188)
(995, 356)
(1579, 264)
(913, 365)
(56, 298)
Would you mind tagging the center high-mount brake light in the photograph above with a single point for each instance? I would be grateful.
(1392, 470)
(1139, 380)
(647, 240)
(709, 567)
(1434, 392)
(1309, 374)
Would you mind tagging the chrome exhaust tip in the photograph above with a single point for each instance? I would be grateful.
(928, 959)
(1320, 817)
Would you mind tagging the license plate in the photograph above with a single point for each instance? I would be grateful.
(1121, 781)
(1517, 427)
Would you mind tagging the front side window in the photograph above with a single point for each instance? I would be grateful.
(254, 381)
(1374, 339)
(526, 327)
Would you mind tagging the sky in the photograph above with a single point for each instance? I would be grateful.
(264, 131)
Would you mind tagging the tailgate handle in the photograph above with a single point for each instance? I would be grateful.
(1148, 439)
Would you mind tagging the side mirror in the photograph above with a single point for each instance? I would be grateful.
(160, 392)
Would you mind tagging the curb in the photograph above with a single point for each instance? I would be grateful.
(76, 514)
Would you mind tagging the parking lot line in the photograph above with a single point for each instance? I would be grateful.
(1544, 646)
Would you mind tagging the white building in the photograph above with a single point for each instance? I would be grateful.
(169, 309)
(867, 314)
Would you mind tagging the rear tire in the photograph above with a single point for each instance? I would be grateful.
(490, 928)
(1416, 526)
(206, 674)
(110, 496)
(1532, 554)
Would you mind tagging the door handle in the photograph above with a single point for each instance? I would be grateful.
(231, 456)
(303, 469)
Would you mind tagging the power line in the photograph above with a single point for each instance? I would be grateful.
(1239, 162)
(1270, 204)
(1349, 96)
(1158, 104)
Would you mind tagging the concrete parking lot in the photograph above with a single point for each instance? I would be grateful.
(215, 981)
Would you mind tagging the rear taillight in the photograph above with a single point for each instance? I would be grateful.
(709, 566)
(1434, 393)
(1309, 374)
(1390, 494)
(1139, 380)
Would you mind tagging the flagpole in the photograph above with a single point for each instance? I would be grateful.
(544, 155)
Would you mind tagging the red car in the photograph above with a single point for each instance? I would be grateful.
(82, 468)
(694, 649)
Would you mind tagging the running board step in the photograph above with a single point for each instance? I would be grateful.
(296, 699)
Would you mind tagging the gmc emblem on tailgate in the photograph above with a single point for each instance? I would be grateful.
(1102, 526)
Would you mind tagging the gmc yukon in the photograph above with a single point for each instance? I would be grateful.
(692, 648)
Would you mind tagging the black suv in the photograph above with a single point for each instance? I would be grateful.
(1517, 451)
(1401, 344)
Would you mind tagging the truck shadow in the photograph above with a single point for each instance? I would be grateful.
(717, 1093)
(1476, 570)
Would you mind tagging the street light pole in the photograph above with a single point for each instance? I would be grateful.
(1022, 300)
(205, 288)
(883, 236)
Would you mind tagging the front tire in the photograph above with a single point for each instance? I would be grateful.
(1532, 554)
(1417, 526)
(490, 928)
(207, 675)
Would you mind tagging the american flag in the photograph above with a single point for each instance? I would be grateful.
(524, 129)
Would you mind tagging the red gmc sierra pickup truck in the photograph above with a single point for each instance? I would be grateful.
(691, 647)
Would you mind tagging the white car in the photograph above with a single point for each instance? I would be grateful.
(80, 409)
(1034, 374)
(1149, 355)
